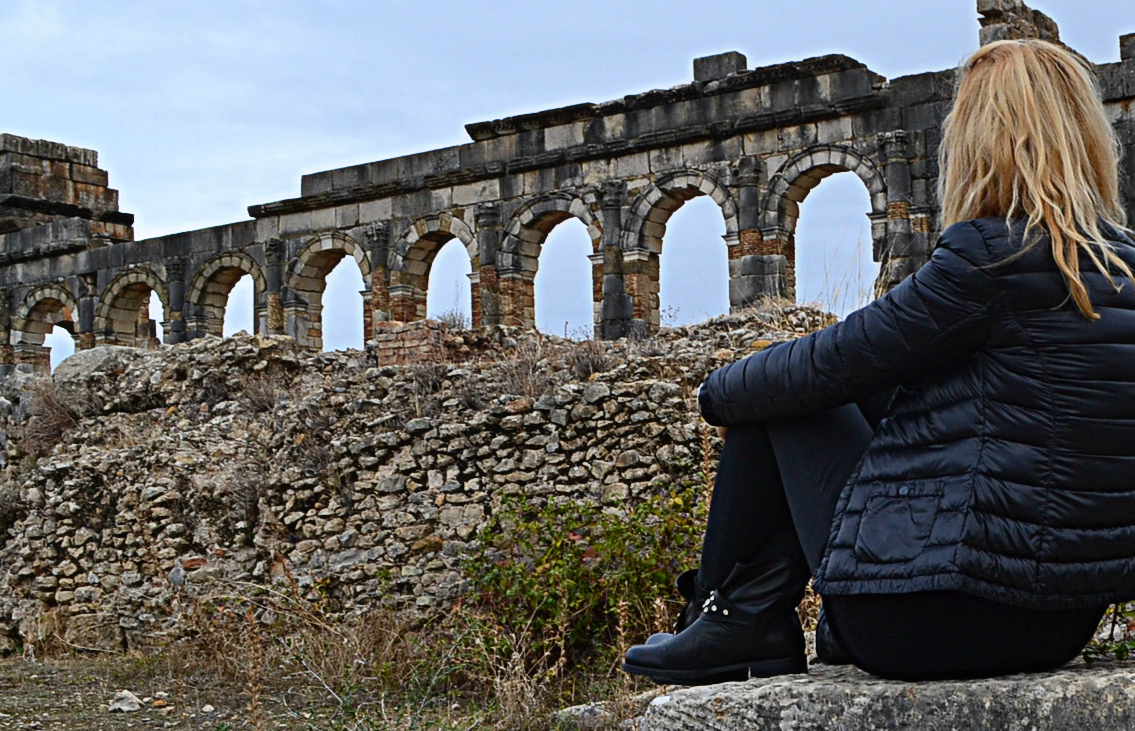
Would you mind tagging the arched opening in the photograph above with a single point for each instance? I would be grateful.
(339, 317)
(240, 307)
(449, 296)
(60, 343)
(224, 296)
(156, 314)
(131, 311)
(521, 260)
(693, 276)
(564, 290)
(44, 329)
(835, 269)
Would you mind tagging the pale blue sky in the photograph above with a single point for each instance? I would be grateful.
(201, 109)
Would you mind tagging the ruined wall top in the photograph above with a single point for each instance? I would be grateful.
(1012, 20)
(43, 182)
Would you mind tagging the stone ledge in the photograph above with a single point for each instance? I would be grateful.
(1076, 697)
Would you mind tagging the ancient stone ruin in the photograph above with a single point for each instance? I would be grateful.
(755, 140)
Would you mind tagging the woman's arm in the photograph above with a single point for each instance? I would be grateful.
(935, 317)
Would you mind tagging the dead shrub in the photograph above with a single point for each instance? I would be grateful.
(588, 358)
(454, 320)
(525, 372)
(48, 420)
(263, 392)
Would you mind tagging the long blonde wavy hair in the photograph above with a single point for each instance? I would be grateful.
(1028, 137)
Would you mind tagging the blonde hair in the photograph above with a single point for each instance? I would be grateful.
(1028, 137)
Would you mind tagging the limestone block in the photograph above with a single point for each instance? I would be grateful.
(1127, 47)
(1078, 697)
(709, 68)
(376, 210)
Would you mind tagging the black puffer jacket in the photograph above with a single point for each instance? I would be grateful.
(1006, 466)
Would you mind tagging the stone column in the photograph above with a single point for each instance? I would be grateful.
(7, 356)
(376, 301)
(758, 270)
(88, 301)
(640, 275)
(617, 307)
(274, 281)
(485, 280)
(517, 296)
(904, 252)
(174, 326)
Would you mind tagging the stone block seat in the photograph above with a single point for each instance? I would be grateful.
(1079, 697)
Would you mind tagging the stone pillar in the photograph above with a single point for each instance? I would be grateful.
(404, 302)
(617, 306)
(32, 358)
(518, 300)
(757, 270)
(376, 300)
(88, 300)
(7, 356)
(640, 275)
(598, 273)
(274, 281)
(485, 280)
(174, 326)
(904, 252)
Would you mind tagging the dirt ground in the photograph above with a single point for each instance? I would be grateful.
(72, 695)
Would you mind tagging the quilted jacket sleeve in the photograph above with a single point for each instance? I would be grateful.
(935, 317)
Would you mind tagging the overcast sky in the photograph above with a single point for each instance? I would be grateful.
(200, 109)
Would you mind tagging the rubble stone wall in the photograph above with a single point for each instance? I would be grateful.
(254, 460)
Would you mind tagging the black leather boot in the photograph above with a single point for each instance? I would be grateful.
(694, 594)
(827, 647)
(747, 628)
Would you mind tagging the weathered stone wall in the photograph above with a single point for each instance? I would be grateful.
(248, 459)
(755, 141)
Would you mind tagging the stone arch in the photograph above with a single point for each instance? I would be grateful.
(411, 259)
(122, 316)
(652, 208)
(646, 226)
(524, 237)
(41, 310)
(803, 172)
(791, 185)
(307, 278)
(208, 294)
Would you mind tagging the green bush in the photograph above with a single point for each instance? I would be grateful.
(580, 582)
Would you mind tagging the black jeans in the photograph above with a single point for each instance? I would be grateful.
(784, 478)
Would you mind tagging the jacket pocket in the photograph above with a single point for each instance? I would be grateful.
(896, 522)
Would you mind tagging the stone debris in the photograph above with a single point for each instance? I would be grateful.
(252, 459)
(124, 702)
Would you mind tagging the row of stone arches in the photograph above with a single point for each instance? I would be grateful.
(401, 293)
